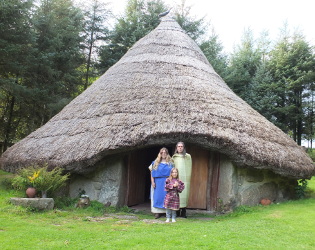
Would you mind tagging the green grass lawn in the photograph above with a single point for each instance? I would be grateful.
(289, 225)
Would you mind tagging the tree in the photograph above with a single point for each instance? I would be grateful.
(309, 107)
(212, 49)
(292, 63)
(260, 94)
(140, 18)
(16, 40)
(40, 56)
(243, 65)
(260, 89)
(54, 76)
(195, 28)
(95, 31)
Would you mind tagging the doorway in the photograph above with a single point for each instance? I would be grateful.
(204, 179)
(138, 177)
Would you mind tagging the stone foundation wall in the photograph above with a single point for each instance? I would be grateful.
(241, 186)
(255, 185)
(237, 186)
(105, 184)
(228, 185)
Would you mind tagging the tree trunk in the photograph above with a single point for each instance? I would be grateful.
(8, 125)
(88, 64)
(299, 122)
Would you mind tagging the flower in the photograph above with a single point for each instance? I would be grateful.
(33, 178)
(40, 178)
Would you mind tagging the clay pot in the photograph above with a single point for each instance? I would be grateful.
(30, 192)
(265, 202)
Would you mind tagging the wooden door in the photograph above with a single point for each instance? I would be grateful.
(199, 177)
(136, 179)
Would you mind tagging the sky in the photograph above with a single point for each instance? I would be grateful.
(230, 18)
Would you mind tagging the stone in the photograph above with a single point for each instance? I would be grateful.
(83, 202)
(38, 203)
(252, 194)
(106, 184)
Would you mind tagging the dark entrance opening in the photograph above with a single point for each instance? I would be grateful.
(204, 177)
(139, 179)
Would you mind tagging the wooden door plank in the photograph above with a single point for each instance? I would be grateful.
(199, 178)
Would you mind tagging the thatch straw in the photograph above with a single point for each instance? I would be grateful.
(163, 90)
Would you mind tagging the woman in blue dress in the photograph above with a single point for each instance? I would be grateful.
(160, 170)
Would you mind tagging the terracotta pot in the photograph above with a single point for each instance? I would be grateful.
(265, 202)
(30, 192)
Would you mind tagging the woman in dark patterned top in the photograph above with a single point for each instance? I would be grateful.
(173, 186)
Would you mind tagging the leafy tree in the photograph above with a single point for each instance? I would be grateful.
(54, 76)
(243, 65)
(292, 63)
(140, 18)
(260, 89)
(95, 31)
(309, 120)
(260, 92)
(16, 40)
(195, 28)
(39, 59)
(212, 49)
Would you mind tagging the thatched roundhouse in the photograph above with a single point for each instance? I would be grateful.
(164, 90)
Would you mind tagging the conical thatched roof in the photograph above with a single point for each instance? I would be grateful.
(163, 90)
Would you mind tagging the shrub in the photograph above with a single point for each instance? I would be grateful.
(97, 206)
(22, 180)
(301, 188)
(65, 202)
(40, 178)
(6, 183)
(311, 154)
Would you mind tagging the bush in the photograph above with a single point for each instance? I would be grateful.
(97, 206)
(65, 202)
(40, 178)
(301, 188)
(6, 183)
(311, 154)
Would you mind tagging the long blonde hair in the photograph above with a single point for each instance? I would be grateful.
(171, 177)
(159, 158)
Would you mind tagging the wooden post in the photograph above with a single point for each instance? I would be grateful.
(214, 178)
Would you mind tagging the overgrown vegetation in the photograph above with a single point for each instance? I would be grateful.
(301, 188)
